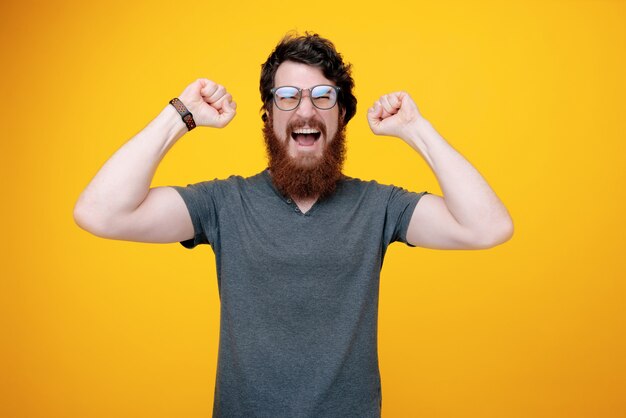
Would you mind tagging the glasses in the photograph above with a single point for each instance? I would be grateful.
(288, 97)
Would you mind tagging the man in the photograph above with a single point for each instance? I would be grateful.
(298, 247)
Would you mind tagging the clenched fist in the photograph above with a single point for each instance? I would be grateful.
(394, 114)
(209, 103)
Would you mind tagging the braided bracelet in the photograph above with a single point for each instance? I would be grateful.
(184, 113)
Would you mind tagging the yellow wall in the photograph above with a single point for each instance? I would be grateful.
(530, 92)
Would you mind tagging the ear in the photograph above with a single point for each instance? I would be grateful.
(266, 113)
(342, 114)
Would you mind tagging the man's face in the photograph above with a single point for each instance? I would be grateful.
(286, 124)
(305, 146)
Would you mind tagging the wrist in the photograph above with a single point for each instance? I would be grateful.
(184, 113)
(170, 121)
(416, 131)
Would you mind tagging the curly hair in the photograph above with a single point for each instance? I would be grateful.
(310, 49)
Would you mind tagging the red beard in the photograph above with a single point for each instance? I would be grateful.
(307, 177)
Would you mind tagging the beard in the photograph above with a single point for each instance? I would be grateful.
(305, 176)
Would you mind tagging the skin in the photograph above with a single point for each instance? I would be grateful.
(119, 204)
(469, 215)
(300, 75)
(291, 73)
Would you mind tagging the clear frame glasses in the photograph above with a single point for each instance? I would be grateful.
(323, 97)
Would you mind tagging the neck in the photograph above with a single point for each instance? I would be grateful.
(304, 203)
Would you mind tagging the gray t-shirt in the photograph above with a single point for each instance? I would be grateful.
(298, 292)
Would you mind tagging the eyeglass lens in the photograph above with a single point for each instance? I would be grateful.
(322, 97)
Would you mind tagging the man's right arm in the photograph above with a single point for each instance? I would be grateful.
(118, 203)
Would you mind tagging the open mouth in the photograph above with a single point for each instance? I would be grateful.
(305, 136)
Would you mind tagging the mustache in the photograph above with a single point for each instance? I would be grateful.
(314, 123)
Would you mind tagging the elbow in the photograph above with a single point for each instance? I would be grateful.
(82, 217)
(504, 233)
(88, 220)
(497, 234)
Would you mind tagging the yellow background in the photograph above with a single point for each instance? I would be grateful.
(532, 93)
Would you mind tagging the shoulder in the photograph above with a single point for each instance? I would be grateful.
(217, 189)
(377, 196)
(233, 183)
(353, 185)
(350, 183)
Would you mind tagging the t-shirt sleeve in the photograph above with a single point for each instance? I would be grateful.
(400, 208)
(201, 203)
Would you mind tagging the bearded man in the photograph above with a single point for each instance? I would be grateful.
(299, 247)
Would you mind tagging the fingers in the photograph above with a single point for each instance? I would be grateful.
(391, 103)
(226, 108)
(390, 113)
(374, 113)
(225, 104)
(212, 92)
(209, 102)
(208, 90)
(219, 103)
(229, 109)
(384, 107)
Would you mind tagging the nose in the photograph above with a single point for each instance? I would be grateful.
(306, 108)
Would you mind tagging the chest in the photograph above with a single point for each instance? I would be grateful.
(324, 238)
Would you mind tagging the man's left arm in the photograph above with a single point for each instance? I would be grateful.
(469, 215)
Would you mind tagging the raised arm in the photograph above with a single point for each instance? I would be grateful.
(118, 203)
(469, 215)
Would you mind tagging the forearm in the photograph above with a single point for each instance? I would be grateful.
(123, 182)
(469, 198)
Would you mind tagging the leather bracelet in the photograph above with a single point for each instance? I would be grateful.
(185, 114)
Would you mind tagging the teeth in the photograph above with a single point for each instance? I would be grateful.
(306, 131)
